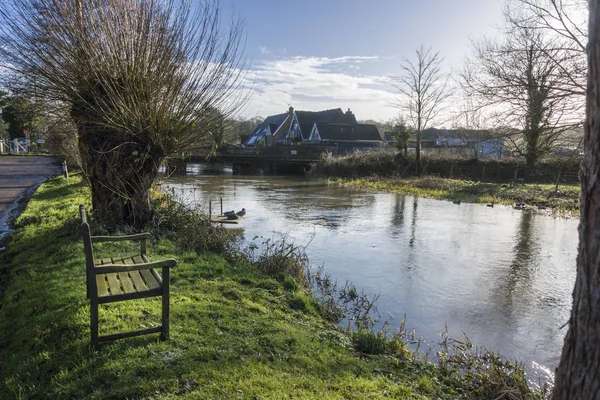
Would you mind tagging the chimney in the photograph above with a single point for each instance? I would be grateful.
(348, 112)
(291, 111)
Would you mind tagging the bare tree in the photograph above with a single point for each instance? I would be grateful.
(139, 78)
(578, 373)
(423, 90)
(564, 23)
(520, 82)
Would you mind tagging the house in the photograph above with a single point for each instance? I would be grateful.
(334, 127)
(346, 137)
(467, 142)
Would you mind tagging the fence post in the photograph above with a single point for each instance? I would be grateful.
(514, 181)
(210, 211)
(451, 170)
(65, 169)
(557, 181)
(482, 173)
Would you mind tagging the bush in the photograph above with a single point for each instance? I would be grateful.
(484, 374)
(191, 228)
(369, 342)
(281, 260)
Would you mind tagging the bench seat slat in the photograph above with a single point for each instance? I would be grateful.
(138, 281)
(149, 279)
(126, 282)
(114, 286)
(102, 285)
(156, 276)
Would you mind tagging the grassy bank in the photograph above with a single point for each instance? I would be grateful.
(538, 197)
(469, 180)
(241, 327)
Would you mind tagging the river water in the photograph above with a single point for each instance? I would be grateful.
(504, 277)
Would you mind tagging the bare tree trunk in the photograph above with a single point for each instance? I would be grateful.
(419, 132)
(120, 171)
(578, 374)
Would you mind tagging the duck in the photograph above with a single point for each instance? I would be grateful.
(232, 212)
(518, 206)
(490, 205)
(241, 213)
(456, 201)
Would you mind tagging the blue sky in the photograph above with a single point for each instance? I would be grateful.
(323, 54)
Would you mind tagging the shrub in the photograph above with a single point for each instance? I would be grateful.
(191, 228)
(367, 341)
(483, 373)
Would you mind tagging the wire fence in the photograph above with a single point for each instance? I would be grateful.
(498, 173)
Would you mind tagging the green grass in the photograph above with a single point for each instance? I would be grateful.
(541, 197)
(236, 332)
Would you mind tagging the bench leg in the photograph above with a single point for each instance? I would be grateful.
(94, 319)
(165, 304)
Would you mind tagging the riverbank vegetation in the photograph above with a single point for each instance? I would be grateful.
(253, 324)
(550, 187)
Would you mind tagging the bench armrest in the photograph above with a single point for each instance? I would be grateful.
(105, 269)
(139, 236)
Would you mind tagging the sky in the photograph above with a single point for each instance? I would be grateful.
(320, 54)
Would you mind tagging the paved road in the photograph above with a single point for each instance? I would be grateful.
(18, 175)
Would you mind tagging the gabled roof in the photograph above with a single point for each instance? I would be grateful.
(464, 134)
(351, 132)
(306, 119)
(269, 124)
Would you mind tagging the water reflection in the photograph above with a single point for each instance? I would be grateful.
(525, 259)
(309, 202)
(398, 214)
(413, 222)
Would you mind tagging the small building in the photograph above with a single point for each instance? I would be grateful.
(466, 142)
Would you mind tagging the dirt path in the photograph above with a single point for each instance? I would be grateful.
(20, 175)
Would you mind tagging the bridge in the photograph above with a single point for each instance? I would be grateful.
(296, 157)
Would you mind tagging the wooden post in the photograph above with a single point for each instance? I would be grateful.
(65, 169)
(209, 211)
(482, 173)
(94, 316)
(514, 181)
(557, 181)
(164, 335)
(221, 206)
(451, 171)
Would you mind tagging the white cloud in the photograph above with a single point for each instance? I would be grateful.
(264, 50)
(317, 83)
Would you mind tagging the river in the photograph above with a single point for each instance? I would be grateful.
(504, 277)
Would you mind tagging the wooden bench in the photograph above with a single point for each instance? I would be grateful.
(120, 278)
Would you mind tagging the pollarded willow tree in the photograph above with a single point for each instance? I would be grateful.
(141, 79)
